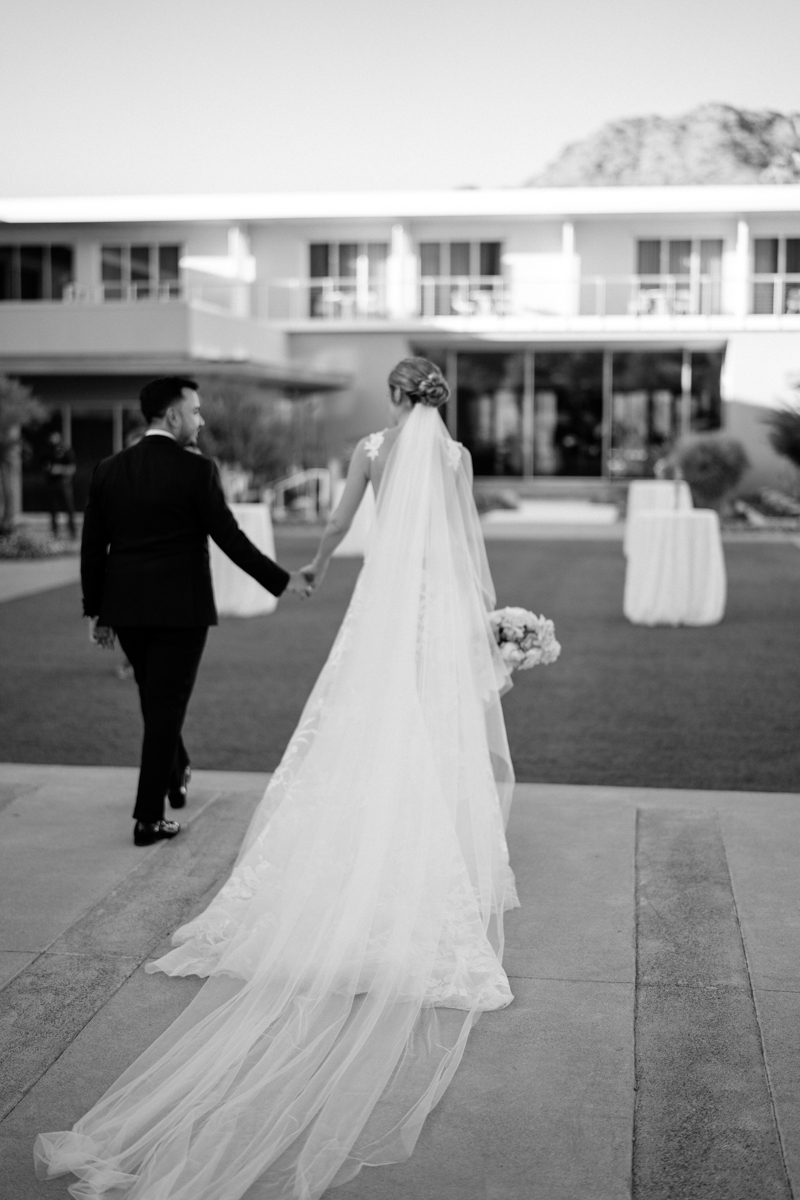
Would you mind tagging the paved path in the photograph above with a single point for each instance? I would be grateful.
(40, 575)
(658, 949)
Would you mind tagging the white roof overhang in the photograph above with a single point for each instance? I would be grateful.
(564, 203)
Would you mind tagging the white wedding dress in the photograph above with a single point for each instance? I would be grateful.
(361, 931)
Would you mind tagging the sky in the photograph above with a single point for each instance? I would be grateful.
(102, 97)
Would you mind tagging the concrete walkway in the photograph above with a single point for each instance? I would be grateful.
(655, 964)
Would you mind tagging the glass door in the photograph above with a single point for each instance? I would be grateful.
(490, 388)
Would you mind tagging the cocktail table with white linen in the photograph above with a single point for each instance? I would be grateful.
(676, 569)
(656, 495)
(235, 593)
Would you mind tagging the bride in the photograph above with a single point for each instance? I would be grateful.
(361, 931)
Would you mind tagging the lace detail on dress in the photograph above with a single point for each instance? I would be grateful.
(453, 454)
(373, 443)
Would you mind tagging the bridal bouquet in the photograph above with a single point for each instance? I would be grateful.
(525, 640)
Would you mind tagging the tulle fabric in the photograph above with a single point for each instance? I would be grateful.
(361, 931)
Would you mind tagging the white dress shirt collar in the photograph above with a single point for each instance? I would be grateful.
(159, 433)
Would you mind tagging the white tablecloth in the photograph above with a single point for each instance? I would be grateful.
(355, 543)
(656, 495)
(676, 569)
(237, 594)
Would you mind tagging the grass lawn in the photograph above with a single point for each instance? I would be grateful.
(704, 708)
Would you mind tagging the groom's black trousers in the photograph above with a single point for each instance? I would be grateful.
(165, 663)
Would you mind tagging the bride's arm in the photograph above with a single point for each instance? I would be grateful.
(341, 520)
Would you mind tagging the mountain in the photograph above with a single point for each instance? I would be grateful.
(714, 143)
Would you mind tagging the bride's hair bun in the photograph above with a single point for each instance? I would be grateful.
(420, 380)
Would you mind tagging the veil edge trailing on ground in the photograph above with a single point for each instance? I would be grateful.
(361, 931)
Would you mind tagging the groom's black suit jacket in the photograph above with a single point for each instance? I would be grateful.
(144, 553)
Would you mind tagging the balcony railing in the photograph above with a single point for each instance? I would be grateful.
(482, 296)
(346, 298)
(641, 298)
(127, 293)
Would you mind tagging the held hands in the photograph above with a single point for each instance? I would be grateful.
(300, 584)
(306, 581)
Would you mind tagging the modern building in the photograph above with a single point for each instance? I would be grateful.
(581, 329)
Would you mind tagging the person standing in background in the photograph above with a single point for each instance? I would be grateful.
(59, 470)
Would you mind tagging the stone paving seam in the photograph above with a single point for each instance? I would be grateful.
(136, 865)
(99, 999)
(13, 997)
(754, 999)
(705, 1125)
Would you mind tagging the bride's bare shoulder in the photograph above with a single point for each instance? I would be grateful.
(372, 445)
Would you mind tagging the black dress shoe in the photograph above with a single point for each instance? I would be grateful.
(145, 835)
(177, 796)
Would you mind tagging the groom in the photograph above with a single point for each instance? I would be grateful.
(146, 579)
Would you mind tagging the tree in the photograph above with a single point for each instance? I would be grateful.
(248, 429)
(18, 407)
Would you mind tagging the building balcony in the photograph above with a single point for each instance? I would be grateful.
(221, 321)
(163, 332)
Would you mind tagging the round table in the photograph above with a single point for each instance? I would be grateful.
(656, 495)
(676, 569)
(236, 593)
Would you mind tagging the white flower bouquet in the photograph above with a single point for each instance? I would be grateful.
(525, 640)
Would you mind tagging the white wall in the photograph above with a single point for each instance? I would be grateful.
(760, 368)
(364, 408)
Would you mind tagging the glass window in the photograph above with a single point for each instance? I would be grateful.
(645, 415)
(168, 263)
(319, 260)
(111, 267)
(31, 273)
(711, 276)
(377, 254)
(765, 262)
(490, 258)
(140, 271)
(680, 256)
(7, 288)
(35, 272)
(706, 392)
(61, 270)
(460, 258)
(490, 411)
(348, 260)
(111, 272)
(430, 258)
(766, 256)
(711, 257)
(356, 274)
(568, 413)
(648, 258)
(793, 256)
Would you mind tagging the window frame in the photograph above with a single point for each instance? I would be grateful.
(14, 253)
(156, 285)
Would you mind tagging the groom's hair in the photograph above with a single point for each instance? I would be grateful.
(157, 395)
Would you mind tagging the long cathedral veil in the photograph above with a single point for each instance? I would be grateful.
(361, 931)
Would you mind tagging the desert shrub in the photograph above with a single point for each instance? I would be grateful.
(23, 543)
(712, 465)
(784, 433)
